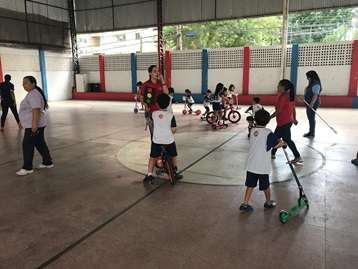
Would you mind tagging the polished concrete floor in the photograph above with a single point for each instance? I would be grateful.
(93, 211)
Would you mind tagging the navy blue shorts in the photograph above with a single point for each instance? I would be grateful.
(252, 178)
(156, 150)
(216, 106)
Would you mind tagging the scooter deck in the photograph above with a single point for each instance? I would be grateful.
(217, 127)
(301, 203)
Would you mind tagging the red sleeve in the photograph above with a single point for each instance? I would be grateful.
(281, 103)
(142, 88)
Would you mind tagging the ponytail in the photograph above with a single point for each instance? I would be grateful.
(43, 96)
(289, 87)
(33, 81)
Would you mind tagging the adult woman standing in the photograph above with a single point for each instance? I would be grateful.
(149, 91)
(285, 113)
(33, 120)
(312, 97)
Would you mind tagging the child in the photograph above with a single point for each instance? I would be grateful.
(355, 161)
(164, 127)
(254, 108)
(172, 99)
(217, 104)
(189, 100)
(225, 101)
(207, 101)
(258, 162)
(139, 85)
(231, 92)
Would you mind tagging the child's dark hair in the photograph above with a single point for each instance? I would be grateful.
(187, 91)
(163, 100)
(257, 100)
(288, 87)
(171, 90)
(7, 77)
(262, 117)
(231, 86)
(208, 91)
(139, 84)
(33, 81)
(218, 89)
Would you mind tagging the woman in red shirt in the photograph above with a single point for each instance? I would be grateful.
(285, 114)
(149, 91)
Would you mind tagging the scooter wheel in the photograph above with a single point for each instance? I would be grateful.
(283, 216)
(184, 112)
(198, 112)
(136, 110)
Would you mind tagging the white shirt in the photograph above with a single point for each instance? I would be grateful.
(255, 108)
(258, 161)
(162, 131)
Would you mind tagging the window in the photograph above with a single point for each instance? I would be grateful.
(121, 37)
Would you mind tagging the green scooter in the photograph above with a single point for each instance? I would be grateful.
(302, 200)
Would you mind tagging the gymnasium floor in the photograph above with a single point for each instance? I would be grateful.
(93, 211)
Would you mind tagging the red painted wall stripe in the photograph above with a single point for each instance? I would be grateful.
(353, 81)
(1, 74)
(102, 77)
(168, 68)
(246, 71)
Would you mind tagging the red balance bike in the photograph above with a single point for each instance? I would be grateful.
(165, 165)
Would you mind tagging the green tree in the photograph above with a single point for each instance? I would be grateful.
(232, 33)
(304, 27)
(320, 26)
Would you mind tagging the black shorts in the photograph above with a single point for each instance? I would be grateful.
(156, 150)
(216, 106)
(250, 118)
(252, 178)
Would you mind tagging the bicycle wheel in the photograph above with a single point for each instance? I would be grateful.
(159, 163)
(170, 168)
(210, 117)
(234, 116)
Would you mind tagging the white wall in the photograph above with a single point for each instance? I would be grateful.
(118, 81)
(142, 75)
(187, 79)
(264, 80)
(25, 62)
(227, 77)
(335, 79)
(59, 85)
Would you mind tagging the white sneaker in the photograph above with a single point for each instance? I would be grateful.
(24, 172)
(41, 166)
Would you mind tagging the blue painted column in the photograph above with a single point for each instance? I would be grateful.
(294, 65)
(204, 71)
(43, 72)
(134, 72)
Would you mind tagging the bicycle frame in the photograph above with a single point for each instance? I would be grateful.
(165, 165)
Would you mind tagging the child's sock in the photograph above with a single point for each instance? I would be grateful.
(149, 173)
